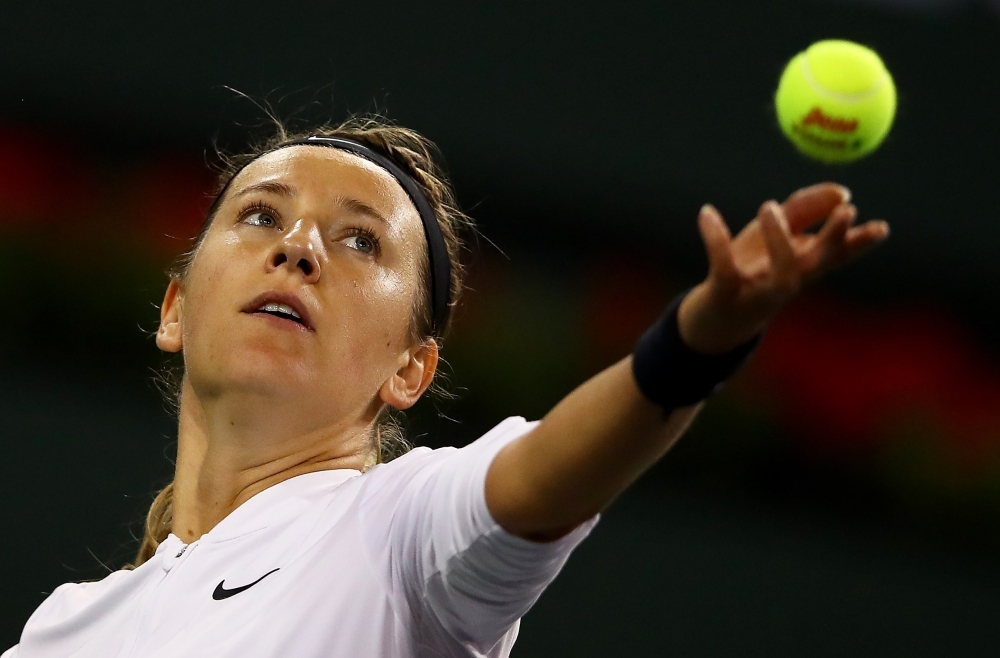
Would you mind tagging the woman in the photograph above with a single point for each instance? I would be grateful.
(313, 302)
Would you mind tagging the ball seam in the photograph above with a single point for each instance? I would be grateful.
(838, 95)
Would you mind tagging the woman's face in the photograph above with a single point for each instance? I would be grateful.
(304, 286)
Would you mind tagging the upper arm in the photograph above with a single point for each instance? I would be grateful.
(585, 452)
(430, 524)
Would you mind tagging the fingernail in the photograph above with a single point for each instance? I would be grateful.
(845, 193)
(705, 209)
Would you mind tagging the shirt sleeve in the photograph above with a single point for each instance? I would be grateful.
(10, 653)
(424, 518)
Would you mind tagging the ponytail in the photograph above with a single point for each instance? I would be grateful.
(158, 522)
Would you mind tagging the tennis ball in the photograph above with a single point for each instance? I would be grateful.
(836, 101)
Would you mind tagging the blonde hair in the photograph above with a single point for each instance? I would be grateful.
(420, 158)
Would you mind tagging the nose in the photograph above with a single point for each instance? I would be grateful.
(299, 250)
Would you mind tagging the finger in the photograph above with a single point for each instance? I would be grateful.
(860, 239)
(778, 240)
(811, 204)
(828, 245)
(716, 236)
(831, 237)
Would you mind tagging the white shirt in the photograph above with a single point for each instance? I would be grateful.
(402, 561)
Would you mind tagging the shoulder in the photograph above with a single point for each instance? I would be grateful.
(446, 482)
(504, 432)
(423, 460)
(70, 600)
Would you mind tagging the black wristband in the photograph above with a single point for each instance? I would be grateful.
(673, 375)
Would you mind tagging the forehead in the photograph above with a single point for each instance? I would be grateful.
(328, 176)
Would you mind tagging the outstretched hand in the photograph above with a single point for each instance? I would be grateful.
(752, 276)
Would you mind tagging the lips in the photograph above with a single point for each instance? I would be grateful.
(283, 306)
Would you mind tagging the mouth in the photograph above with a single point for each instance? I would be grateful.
(284, 307)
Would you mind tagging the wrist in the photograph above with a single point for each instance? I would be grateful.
(706, 327)
(671, 373)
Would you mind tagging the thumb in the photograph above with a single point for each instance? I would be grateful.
(717, 238)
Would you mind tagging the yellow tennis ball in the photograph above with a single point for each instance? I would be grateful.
(836, 101)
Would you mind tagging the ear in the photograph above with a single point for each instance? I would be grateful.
(168, 336)
(416, 370)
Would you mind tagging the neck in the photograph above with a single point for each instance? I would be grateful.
(228, 451)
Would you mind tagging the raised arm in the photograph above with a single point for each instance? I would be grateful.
(606, 433)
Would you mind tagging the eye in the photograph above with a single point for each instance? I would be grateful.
(260, 218)
(361, 243)
(363, 240)
(258, 213)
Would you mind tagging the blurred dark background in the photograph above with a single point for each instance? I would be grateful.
(842, 496)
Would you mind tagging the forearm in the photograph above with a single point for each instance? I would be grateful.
(586, 451)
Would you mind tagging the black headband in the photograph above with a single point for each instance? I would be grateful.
(437, 250)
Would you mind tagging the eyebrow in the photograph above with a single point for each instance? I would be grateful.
(274, 187)
(286, 190)
(361, 208)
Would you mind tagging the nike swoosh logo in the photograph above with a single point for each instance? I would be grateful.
(223, 593)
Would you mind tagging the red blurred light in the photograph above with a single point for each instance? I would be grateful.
(842, 376)
(42, 178)
(170, 196)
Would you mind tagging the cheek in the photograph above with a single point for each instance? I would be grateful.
(381, 319)
(208, 295)
(392, 301)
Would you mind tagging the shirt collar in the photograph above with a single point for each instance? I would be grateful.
(280, 502)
